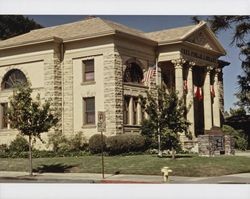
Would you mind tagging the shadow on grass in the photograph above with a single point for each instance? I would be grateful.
(54, 168)
(176, 156)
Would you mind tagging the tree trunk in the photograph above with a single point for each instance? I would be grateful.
(30, 155)
(173, 153)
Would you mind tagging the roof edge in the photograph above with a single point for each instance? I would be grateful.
(21, 44)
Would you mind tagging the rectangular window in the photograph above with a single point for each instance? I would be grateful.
(3, 115)
(135, 119)
(125, 110)
(88, 70)
(89, 110)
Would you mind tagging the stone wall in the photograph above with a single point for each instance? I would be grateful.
(113, 92)
(210, 145)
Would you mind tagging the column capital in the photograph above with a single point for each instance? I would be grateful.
(178, 62)
(209, 69)
(218, 70)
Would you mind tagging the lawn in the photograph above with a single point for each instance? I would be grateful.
(186, 165)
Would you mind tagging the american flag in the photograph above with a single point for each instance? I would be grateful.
(148, 75)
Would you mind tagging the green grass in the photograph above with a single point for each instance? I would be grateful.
(186, 165)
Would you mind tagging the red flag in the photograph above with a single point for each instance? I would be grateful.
(198, 93)
(212, 90)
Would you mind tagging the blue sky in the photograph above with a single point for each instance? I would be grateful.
(153, 23)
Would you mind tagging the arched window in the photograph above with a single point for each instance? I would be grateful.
(133, 73)
(12, 78)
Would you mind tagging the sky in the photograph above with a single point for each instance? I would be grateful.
(153, 23)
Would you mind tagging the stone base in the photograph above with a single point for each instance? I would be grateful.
(212, 145)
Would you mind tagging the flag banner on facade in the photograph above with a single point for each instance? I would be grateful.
(212, 90)
(198, 93)
(185, 86)
(148, 75)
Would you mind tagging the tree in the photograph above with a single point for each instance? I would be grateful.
(166, 119)
(240, 38)
(13, 25)
(30, 117)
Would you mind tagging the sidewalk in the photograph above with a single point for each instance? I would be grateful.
(10, 177)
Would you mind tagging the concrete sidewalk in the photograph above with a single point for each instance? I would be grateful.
(10, 177)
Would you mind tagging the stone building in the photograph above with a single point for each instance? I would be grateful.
(99, 65)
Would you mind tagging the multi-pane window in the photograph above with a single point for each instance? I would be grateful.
(125, 110)
(3, 115)
(88, 70)
(135, 119)
(89, 110)
(13, 78)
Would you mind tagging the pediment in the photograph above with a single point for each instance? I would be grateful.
(206, 39)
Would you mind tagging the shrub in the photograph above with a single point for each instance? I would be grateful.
(19, 144)
(95, 143)
(77, 142)
(57, 140)
(60, 143)
(3, 148)
(240, 138)
(125, 143)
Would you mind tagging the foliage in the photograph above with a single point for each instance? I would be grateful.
(61, 143)
(240, 138)
(57, 140)
(19, 144)
(13, 25)
(244, 79)
(95, 143)
(41, 154)
(241, 29)
(3, 148)
(166, 118)
(237, 112)
(125, 143)
(30, 117)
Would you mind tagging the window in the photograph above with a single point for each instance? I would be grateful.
(89, 110)
(12, 78)
(3, 115)
(88, 70)
(125, 110)
(135, 119)
(133, 73)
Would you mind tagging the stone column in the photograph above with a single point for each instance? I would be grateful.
(53, 82)
(178, 63)
(139, 113)
(216, 105)
(207, 101)
(131, 111)
(190, 98)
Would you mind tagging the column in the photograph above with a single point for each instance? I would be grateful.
(190, 98)
(139, 113)
(178, 75)
(216, 105)
(130, 111)
(207, 101)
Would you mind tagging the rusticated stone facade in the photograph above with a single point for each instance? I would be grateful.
(53, 82)
(67, 80)
(60, 54)
(113, 92)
